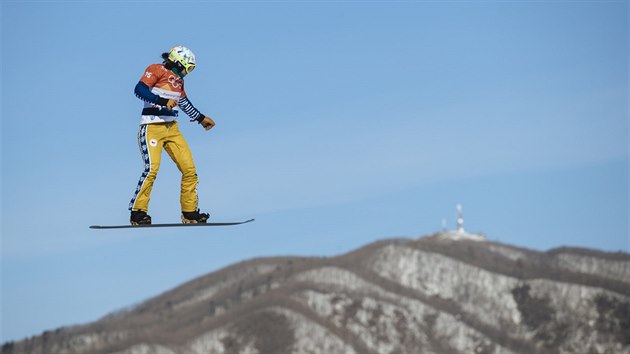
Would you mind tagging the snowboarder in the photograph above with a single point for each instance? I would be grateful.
(161, 87)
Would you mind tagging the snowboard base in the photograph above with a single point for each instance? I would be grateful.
(169, 225)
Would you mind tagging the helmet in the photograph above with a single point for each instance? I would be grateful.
(183, 58)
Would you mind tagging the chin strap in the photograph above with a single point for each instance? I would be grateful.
(173, 67)
(181, 76)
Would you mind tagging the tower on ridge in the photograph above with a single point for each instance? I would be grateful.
(459, 233)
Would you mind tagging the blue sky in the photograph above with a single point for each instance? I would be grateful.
(338, 123)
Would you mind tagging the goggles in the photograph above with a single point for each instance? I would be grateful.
(189, 68)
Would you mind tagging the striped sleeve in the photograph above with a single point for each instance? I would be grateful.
(188, 108)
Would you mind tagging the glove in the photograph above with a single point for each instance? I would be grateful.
(171, 104)
(165, 102)
(206, 122)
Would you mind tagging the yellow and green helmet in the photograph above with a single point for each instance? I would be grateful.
(183, 58)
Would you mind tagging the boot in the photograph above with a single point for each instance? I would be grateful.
(194, 217)
(139, 217)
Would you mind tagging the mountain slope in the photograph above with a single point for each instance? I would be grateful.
(430, 295)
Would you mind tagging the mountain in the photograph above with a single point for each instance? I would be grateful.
(437, 294)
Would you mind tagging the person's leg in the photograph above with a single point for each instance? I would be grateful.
(150, 141)
(178, 149)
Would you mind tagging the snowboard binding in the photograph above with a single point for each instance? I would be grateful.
(194, 217)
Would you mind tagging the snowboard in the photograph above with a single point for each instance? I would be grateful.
(169, 225)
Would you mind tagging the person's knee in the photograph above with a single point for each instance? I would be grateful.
(152, 170)
(189, 171)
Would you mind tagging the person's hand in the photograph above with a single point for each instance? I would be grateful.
(171, 104)
(207, 123)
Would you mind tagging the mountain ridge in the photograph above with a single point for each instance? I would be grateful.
(391, 296)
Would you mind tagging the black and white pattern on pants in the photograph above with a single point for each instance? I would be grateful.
(144, 151)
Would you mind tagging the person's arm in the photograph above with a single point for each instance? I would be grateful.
(194, 114)
(143, 92)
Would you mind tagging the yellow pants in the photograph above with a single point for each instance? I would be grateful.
(151, 139)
